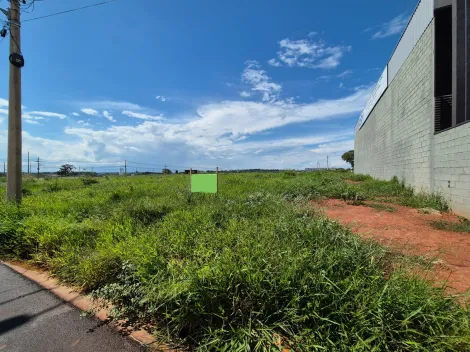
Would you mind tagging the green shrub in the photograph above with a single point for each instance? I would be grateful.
(88, 181)
(358, 177)
(290, 173)
(52, 187)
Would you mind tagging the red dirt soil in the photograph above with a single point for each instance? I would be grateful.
(409, 232)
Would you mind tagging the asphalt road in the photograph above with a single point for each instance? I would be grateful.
(33, 319)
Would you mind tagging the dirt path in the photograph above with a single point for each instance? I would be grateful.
(408, 231)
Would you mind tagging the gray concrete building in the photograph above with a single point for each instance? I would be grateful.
(415, 125)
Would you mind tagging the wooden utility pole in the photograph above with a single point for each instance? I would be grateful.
(38, 167)
(14, 109)
(125, 167)
(28, 163)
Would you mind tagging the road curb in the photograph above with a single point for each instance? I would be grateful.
(82, 302)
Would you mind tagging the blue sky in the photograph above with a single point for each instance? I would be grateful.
(234, 84)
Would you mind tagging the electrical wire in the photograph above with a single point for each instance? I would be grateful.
(68, 11)
(14, 40)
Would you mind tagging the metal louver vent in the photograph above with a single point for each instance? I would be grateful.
(443, 112)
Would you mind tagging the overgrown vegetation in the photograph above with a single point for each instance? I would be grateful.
(254, 268)
(382, 207)
(462, 226)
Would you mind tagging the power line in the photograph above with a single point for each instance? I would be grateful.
(67, 11)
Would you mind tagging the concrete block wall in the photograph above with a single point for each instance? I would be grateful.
(398, 137)
(451, 167)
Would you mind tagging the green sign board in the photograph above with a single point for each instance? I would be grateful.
(204, 183)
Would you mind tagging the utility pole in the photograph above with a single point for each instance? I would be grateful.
(327, 165)
(28, 163)
(14, 108)
(125, 167)
(4, 169)
(38, 167)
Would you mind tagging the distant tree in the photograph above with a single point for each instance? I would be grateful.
(65, 170)
(166, 171)
(349, 157)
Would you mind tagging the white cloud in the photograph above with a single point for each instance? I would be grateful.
(110, 105)
(218, 134)
(75, 114)
(142, 116)
(341, 75)
(245, 94)
(161, 98)
(312, 34)
(221, 130)
(3, 102)
(89, 111)
(31, 117)
(308, 53)
(4, 111)
(274, 62)
(344, 74)
(48, 114)
(395, 26)
(335, 147)
(33, 122)
(260, 81)
(108, 116)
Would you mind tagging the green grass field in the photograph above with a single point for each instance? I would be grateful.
(250, 269)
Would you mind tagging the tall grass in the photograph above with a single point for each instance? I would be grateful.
(249, 269)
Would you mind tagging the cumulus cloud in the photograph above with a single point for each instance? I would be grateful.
(222, 133)
(89, 111)
(3, 102)
(245, 94)
(161, 98)
(48, 114)
(260, 82)
(108, 115)
(222, 130)
(393, 27)
(75, 114)
(309, 53)
(142, 116)
(274, 62)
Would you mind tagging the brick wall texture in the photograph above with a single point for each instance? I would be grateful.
(398, 137)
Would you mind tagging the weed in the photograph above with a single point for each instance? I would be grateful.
(462, 226)
(290, 173)
(252, 269)
(88, 181)
(358, 177)
(382, 207)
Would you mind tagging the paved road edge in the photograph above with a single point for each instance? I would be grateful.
(83, 303)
